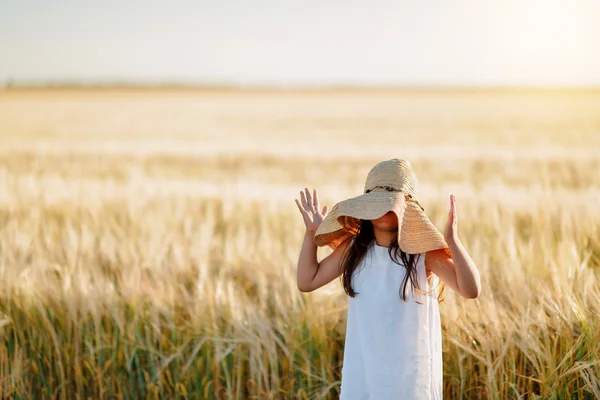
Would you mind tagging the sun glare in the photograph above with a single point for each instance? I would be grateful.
(548, 36)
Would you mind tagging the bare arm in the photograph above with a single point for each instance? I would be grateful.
(312, 274)
(467, 273)
(307, 262)
(457, 269)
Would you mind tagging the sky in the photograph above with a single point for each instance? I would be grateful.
(303, 42)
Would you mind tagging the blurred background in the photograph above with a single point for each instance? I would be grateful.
(151, 152)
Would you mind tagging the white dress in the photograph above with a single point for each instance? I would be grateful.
(393, 348)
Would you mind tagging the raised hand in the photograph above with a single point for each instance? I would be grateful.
(451, 230)
(309, 208)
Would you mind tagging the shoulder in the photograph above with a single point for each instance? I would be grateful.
(434, 259)
(439, 262)
(438, 255)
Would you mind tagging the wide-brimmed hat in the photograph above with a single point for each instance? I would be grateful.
(391, 186)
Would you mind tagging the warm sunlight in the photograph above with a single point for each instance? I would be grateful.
(547, 34)
(233, 42)
(178, 181)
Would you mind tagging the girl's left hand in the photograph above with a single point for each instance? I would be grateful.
(451, 230)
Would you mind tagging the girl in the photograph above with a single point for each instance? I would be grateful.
(394, 264)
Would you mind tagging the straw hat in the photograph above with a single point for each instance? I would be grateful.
(391, 186)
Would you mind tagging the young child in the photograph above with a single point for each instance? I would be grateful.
(394, 264)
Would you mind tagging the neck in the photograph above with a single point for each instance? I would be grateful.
(384, 237)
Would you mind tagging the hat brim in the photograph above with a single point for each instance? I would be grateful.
(416, 233)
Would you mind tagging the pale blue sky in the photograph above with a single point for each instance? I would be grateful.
(314, 42)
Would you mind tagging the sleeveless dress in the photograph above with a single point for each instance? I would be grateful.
(393, 348)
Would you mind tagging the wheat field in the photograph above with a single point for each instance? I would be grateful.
(149, 238)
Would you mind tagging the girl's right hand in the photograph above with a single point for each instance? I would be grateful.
(310, 210)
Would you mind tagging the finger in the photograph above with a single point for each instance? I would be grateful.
(299, 206)
(452, 211)
(303, 199)
(315, 199)
(454, 206)
(324, 210)
(308, 197)
(303, 212)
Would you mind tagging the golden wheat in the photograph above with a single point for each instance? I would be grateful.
(149, 239)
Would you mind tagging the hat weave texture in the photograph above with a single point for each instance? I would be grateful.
(390, 186)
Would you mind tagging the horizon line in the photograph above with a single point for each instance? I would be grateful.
(124, 84)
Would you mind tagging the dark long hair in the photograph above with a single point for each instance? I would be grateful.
(358, 249)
